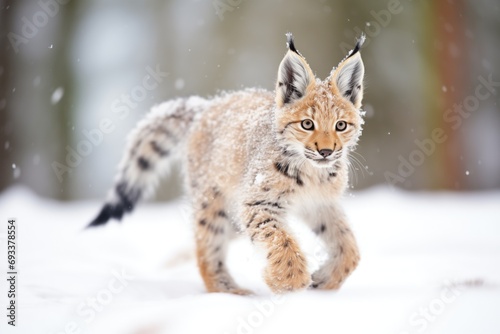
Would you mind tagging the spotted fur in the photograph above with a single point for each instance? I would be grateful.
(251, 158)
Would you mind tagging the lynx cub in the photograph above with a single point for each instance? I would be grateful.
(251, 157)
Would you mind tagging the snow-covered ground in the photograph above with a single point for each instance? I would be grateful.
(430, 264)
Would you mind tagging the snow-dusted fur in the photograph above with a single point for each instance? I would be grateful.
(252, 157)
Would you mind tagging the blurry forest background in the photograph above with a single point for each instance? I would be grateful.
(76, 76)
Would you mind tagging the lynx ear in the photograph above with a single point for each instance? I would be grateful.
(347, 78)
(294, 76)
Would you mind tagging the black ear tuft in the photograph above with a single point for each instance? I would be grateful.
(294, 76)
(290, 44)
(357, 47)
(348, 76)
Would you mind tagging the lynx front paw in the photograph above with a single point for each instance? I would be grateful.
(287, 269)
(329, 278)
(326, 281)
(226, 285)
(233, 290)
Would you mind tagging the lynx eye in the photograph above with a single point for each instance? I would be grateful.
(341, 126)
(307, 124)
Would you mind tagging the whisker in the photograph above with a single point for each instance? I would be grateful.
(352, 170)
(356, 165)
(365, 166)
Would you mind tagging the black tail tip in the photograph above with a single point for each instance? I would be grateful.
(107, 212)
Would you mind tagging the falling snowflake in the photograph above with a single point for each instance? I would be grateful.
(16, 171)
(179, 84)
(57, 95)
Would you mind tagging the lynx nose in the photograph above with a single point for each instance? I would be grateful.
(325, 152)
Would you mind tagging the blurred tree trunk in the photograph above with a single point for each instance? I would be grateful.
(64, 78)
(32, 126)
(452, 70)
(5, 126)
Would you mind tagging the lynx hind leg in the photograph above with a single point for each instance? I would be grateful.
(331, 226)
(213, 232)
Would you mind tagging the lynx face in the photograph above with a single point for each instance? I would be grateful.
(322, 128)
(319, 120)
